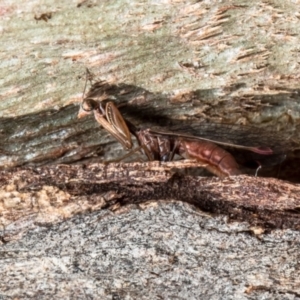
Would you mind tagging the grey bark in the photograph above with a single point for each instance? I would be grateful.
(233, 62)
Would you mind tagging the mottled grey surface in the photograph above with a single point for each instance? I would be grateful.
(162, 251)
(248, 51)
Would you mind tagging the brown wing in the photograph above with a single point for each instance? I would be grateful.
(114, 123)
(259, 150)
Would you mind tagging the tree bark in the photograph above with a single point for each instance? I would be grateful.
(165, 63)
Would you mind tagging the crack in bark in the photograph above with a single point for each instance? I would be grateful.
(52, 193)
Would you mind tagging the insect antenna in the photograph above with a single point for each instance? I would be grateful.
(88, 77)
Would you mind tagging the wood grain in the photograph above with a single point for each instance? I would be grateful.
(53, 193)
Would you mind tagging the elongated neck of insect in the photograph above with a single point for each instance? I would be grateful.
(101, 108)
(132, 128)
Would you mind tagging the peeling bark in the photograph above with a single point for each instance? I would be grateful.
(53, 193)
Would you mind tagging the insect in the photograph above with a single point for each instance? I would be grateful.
(163, 145)
(108, 115)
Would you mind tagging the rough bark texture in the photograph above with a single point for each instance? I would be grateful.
(50, 194)
(166, 61)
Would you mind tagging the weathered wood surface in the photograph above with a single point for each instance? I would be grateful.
(79, 231)
(226, 61)
(52, 193)
(204, 56)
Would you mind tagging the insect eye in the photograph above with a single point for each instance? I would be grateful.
(87, 105)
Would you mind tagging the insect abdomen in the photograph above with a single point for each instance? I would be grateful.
(219, 161)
